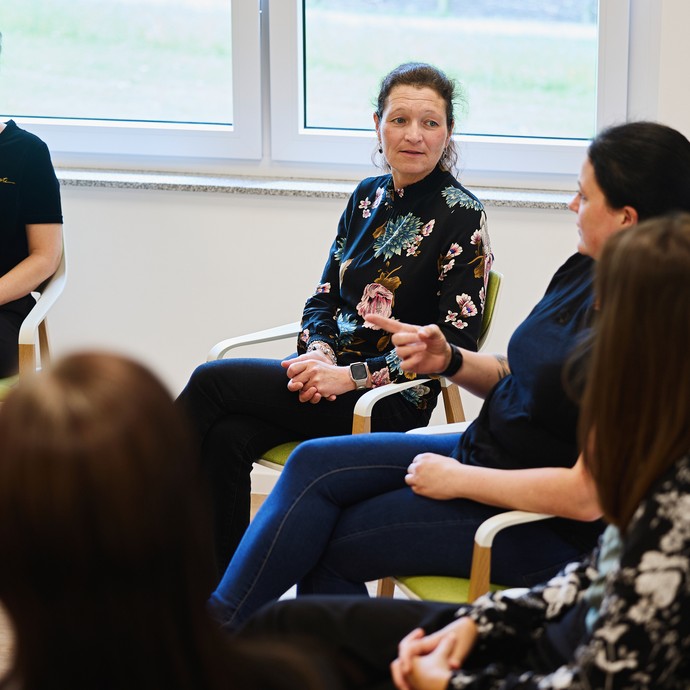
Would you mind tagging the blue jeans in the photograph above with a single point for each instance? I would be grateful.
(239, 408)
(341, 515)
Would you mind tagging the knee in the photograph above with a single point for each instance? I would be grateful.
(203, 385)
(318, 452)
(206, 375)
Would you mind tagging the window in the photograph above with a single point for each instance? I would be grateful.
(129, 60)
(223, 84)
(137, 77)
(527, 69)
(538, 84)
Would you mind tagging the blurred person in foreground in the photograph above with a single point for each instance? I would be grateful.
(106, 551)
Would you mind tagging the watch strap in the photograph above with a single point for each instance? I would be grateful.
(456, 360)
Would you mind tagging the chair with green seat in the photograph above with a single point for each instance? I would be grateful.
(276, 457)
(458, 590)
(34, 349)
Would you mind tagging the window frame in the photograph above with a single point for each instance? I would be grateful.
(499, 161)
(82, 142)
(267, 136)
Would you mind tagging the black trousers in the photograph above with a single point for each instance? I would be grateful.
(357, 637)
(240, 408)
(11, 316)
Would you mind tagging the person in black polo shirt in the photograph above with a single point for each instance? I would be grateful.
(30, 231)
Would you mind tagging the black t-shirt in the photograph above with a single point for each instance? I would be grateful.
(29, 192)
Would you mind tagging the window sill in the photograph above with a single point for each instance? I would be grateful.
(289, 187)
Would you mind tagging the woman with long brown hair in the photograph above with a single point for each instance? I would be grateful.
(106, 551)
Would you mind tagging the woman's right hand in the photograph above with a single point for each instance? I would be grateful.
(315, 380)
(436, 476)
(422, 349)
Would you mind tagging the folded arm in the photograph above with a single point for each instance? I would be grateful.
(45, 249)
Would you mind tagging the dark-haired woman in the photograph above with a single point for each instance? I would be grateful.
(350, 510)
(412, 244)
(619, 619)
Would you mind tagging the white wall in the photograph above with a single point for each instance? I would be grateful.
(164, 275)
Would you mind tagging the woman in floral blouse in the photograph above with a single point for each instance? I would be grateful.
(619, 619)
(411, 244)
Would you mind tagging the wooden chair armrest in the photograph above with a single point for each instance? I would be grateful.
(480, 574)
(361, 420)
(288, 330)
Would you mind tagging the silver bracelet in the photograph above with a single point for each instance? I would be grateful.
(327, 350)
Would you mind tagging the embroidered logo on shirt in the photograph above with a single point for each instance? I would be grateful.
(5, 180)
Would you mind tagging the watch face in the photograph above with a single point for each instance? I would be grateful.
(358, 371)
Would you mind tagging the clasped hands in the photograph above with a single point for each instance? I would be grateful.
(427, 662)
(422, 349)
(314, 378)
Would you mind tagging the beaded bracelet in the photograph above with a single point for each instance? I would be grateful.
(327, 350)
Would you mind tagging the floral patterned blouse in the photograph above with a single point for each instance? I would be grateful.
(419, 254)
(635, 633)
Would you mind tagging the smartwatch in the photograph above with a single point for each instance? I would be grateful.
(359, 372)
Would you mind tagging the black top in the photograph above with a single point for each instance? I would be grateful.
(418, 254)
(528, 419)
(29, 192)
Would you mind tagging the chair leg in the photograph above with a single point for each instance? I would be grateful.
(44, 348)
(481, 572)
(27, 359)
(385, 587)
(453, 404)
(361, 425)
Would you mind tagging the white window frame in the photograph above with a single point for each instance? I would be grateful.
(82, 142)
(484, 159)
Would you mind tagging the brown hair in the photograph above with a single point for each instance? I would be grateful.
(421, 74)
(106, 554)
(636, 407)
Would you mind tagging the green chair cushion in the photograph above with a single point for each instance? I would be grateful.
(6, 386)
(453, 590)
(492, 289)
(279, 454)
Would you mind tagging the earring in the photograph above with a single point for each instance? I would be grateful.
(380, 148)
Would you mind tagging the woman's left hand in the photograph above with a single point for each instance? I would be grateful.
(314, 380)
(434, 476)
(433, 671)
(427, 662)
